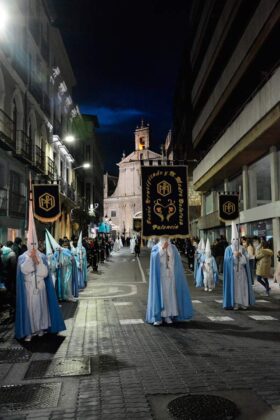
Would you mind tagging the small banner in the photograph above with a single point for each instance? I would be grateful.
(228, 207)
(164, 201)
(137, 225)
(46, 203)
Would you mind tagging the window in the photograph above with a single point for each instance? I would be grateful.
(113, 213)
(260, 182)
(15, 182)
(14, 117)
(209, 203)
(233, 187)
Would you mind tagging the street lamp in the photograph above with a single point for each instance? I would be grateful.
(3, 18)
(69, 138)
(85, 165)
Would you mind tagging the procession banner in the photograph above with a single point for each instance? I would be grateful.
(228, 207)
(164, 201)
(137, 225)
(46, 202)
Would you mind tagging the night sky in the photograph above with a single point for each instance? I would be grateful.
(125, 56)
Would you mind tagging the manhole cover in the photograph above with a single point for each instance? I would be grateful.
(14, 355)
(21, 397)
(202, 407)
(75, 366)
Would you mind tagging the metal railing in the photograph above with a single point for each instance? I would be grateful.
(24, 145)
(70, 192)
(7, 131)
(51, 168)
(39, 161)
(17, 204)
(3, 201)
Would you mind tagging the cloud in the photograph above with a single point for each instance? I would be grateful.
(112, 117)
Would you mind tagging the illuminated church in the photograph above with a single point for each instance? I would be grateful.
(125, 204)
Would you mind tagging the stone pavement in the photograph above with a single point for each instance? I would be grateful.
(110, 364)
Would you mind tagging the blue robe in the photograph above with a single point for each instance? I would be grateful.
(79, 265)
(67, 275)
(200, 276)
(22, 325)
(228, 285)
(197, 257)
(155, 296)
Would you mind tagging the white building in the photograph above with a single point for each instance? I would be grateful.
(36, 114)
(236, 113)
(125, 204)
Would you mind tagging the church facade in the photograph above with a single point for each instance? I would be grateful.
(124, 205)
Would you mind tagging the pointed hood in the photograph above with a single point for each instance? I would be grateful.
(52, 241)
(234, 235)
(32, 240)
(234, 231)
(80, 243)
(49, 248)
(208, 248)
(199, 245)
(202, 245)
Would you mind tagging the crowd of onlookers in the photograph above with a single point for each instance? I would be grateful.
(258, 250)
(98, 250)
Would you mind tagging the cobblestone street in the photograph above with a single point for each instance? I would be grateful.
(110, 364)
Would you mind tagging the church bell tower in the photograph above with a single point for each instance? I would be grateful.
(142, 137)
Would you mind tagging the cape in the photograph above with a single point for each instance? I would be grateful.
(22, 325)
(228, 287)
(155, 296)
(199, 273)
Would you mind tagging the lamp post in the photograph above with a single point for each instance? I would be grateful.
(4, 18)
(85, 165)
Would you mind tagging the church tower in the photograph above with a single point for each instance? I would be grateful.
(142, 137)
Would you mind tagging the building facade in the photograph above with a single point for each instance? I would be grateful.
(233, 64)
(125, 204)
(36, 115)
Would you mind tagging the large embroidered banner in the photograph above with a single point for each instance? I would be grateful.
(228, 207)
(46, 202)
(164, 201)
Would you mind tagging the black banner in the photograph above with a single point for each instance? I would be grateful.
(46, 203)
(228, 207)
(164, 201)
(137, 225)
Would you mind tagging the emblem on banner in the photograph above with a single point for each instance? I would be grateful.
(164, 188)
(164, 201)
(228, 207)
(46, 202)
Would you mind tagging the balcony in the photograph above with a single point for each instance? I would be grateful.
(51, 168)
(45, 51)
(57, 129)
(71, 193)
(7, 132)
(63, 186)
(36, 90)
(3, 201)
(24, 147)
(39, 159)
(46, 106)
(17, 204)
(20, 64)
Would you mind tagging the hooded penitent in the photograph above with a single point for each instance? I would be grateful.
(208, 249)
(41, 312)
(32, 241)
(234, 236)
